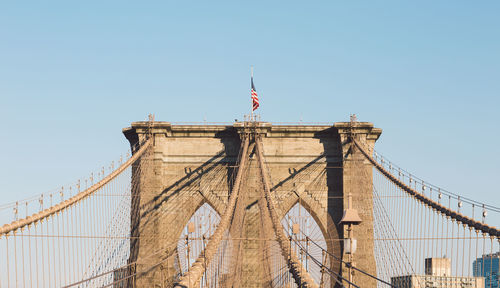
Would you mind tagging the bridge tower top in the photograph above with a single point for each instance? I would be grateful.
(364, 131)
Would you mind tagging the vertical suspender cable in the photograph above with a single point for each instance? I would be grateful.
(78, 238)
(418, 236)
(59, 244)
(94, 212)
(457, 249)
(435, 233)
(36, 254)
(463, 251)
(452, 224)
(42, 250)
(29, 252)
(64, 216)
(477, 246)
(482, 261)
(413, 233)
(491, 261)
(73, 245)
(48, 251)
(406, 220)
(431, 232)
(438, 236)
(22, 256)
(8, 262)
(15, 257)
(469, 260)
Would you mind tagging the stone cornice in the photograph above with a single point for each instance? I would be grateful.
(366, 128)
(266, 128)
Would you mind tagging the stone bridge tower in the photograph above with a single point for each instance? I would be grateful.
(315, 165)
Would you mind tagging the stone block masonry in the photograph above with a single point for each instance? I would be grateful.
(195, 164)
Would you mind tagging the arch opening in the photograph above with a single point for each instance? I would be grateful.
(193, 240)
(309, 242)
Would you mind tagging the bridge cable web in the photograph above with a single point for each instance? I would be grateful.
(236, 228)
(272, 253)
(303, 255)
(418, 219)
(323, 262)
(62, 244)
(180, 193)
(390, 255)
(406, 215)
(328, 258)
(164, 257)
(418, 191)
(192, 244)
(316, 193)
(217, 270)
(196, 271)
(103, 271)
(276, 260)
(302, 277)
(170, 266)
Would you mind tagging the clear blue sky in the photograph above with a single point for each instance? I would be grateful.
(74, 73)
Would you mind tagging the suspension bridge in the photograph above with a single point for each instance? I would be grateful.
(249, 204)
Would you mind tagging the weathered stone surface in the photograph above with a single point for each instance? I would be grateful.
(191, 165)
(357, 181)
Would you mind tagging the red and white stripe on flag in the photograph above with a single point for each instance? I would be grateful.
(255, 98)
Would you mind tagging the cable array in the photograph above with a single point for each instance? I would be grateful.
(89, 234)
(78, 237)
(414, 221)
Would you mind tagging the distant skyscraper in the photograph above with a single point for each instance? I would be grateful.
(488, 267)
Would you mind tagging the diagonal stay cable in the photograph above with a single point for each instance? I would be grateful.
(7, 228)
(492, 231)
(338, 259)
(317, 262)
(191, 278)
(301, 276)
(406, 173)
(336, 276)
(126, 266)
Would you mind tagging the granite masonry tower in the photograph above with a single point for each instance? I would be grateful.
(177, 178)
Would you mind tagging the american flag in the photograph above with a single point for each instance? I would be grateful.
(255, 98)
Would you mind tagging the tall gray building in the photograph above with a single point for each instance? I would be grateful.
(488, 266)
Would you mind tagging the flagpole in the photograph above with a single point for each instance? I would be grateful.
(251, 102)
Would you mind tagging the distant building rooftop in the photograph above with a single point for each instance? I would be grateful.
(437, 275)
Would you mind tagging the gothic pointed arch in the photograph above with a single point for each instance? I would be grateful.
(318, 235)
(194, 238)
